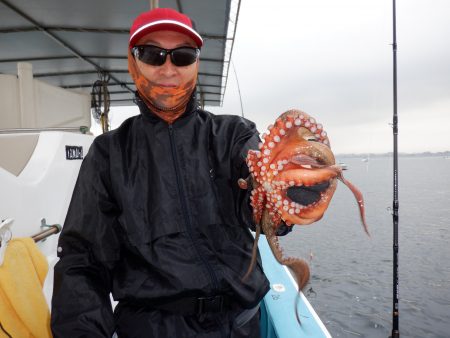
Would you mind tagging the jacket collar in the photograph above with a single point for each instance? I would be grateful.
(148, 115)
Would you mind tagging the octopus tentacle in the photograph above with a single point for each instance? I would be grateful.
(254, 254)
(359, 199)
(298, 266)
(356, 193)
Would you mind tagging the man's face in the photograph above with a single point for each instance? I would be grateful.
(168, 75)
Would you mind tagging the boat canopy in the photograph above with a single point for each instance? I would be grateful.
(72, 44)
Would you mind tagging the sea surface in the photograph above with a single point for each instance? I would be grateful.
(351, 283)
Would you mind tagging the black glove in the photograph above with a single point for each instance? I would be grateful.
(283, 229)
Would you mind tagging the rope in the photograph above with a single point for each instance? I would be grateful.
(100, 101)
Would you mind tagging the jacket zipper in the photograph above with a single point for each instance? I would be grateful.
(186, 213)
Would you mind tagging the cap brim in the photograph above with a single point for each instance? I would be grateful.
(170, 25)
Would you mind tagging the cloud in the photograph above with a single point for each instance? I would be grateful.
(334, 60)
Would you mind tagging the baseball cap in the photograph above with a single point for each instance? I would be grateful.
(163, 19)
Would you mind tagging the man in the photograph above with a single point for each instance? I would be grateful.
(157, 217)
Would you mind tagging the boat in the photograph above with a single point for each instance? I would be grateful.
(277, 315)
(343, 165)
(64, 66)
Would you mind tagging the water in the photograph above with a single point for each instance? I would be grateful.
(351, 280)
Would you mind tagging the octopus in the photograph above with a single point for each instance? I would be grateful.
(293, 177)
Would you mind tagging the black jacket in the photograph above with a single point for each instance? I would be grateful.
(156, 214)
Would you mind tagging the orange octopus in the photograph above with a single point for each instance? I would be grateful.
(293, 176)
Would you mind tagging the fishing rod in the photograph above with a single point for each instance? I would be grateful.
(395, 310)
(239, 89)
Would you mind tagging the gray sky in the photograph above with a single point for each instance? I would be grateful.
(333, 59)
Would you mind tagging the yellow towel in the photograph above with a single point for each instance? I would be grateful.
(23, 310)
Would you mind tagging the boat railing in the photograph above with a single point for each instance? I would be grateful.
(48, 231)
(81, 129)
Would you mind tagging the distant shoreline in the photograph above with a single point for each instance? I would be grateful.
(445, 154)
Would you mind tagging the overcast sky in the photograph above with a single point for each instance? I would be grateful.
(333, 59)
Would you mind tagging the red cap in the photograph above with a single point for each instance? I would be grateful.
(163, 19)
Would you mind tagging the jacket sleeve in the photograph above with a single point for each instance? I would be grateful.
(246, 138)
(87, 248)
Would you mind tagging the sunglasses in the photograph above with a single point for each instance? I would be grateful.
(156, 56)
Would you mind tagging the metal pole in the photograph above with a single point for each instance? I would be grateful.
(51, 230)
(154, 4)
(81, 129)
(395, 312)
